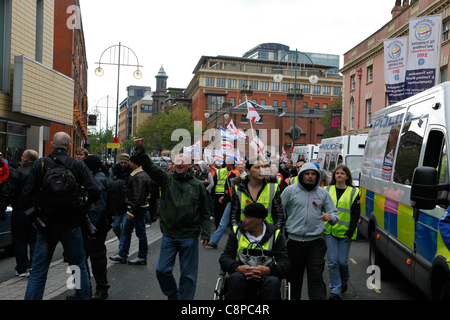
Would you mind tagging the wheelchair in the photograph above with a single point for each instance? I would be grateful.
(222, 284)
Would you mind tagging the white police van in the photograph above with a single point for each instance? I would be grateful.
(405, 190)
(348, 150)
(307, 153)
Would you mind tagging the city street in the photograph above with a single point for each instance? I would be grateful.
(140, 283)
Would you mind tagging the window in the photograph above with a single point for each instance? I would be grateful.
(233, 101)
(284, 104)
(336, 91)
(264, 85)
(411, 140)
(316, 105)
(370, 74)
(389, 153)
(254, 84)
(352, 113)
(221, 82)
(285, 87)
(244, 118)
(260, 120)
(275, 103)
(305, 105)
(316, 89)
(263, 102)
(275, 86)
(231, 83)
(306, 88)
(209, 82)
(2, 38)
(326, 90)
(368, 111)
(39, 48)
(444, 74)
(445, 29)
(352, 82)
(325, 106)
(242, 83)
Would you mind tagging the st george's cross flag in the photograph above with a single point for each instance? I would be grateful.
(252, 114)
(258, 146)
(238, 133)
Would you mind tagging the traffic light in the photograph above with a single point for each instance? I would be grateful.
(109, 152)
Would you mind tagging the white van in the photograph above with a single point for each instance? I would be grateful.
(348, 150)
(404, 186)
(307, 153)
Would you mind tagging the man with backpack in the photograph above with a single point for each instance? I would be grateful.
(51, 190)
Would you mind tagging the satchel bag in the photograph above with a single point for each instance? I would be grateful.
(256, 260)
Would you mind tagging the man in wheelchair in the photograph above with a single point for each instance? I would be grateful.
(255, 257)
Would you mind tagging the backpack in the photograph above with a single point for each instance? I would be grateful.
(59, 189)
(117, 196)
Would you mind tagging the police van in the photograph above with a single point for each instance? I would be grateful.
(405, 190)
(348, 150)
(307, 153)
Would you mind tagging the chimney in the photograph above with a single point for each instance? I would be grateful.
(398, 8)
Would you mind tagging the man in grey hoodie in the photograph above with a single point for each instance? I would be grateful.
(307, 206)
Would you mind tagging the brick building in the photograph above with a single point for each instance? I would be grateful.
(364, 90)
(221, 84)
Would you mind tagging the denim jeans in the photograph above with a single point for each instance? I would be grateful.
(337, 260)
(223, 225)
(138, 223)
(188, 256)
(117, 226)
(72, 241)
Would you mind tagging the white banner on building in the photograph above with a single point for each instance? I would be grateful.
(395, 55)
(423, 54)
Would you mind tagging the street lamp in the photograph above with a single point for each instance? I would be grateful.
(312, 79)
(136, 74)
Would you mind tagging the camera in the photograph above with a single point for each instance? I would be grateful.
(33, 217)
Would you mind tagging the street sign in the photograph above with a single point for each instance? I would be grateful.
(114, 145)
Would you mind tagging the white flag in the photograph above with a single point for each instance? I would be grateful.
(238, 133)
(252, 114)
(259, 147)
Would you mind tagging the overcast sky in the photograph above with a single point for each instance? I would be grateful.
(176, 33)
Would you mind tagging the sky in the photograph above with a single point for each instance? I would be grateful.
(176, 33)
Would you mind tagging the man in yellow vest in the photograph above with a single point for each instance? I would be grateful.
(260, 282)
(219, 191)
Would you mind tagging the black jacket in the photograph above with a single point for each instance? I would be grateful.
(84, 179)
(12, 191)
(242, 183)
(229, 263)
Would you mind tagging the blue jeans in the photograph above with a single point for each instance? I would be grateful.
(23, 236)
(125, 238)
(337, 260)
(188, 256)
(117, 226)
(223, 224)
(72, 241)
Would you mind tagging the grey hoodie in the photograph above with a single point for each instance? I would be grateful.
(303, 209)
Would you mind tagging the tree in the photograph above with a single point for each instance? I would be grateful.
(325, 122)
(157, 130)
(98, 140)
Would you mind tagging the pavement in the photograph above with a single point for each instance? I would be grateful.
(14, 288)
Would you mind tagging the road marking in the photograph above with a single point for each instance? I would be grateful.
(352, 260)
(375, 288)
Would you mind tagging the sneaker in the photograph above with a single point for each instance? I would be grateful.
(25, 274)
(212, 245)
(118, 258)
(138, 261)
(100, 296)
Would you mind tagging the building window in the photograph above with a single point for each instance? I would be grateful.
(370, 74)
(2, 39)
(316, 89)
(284, 104)
(306, 88)
(336, 91)
(260, 119)
(275, 86)
(233, 101)
(352, 113)
(285, 87)
(209, 82)
(444, 74)
(316, 105)
(305, 105)
(244, 118)
(325, 106)
(221, 82)
(231, 83)
(39, 48)
(352, 82)
(263, 102)
(326, 90)
(264, 85)
(275, 103)
(369, 111)
(242, 83)
(445, 29)
(253, 84)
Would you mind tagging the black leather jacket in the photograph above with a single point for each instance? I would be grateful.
(242, 183)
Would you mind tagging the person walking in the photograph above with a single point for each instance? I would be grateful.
(339, 237)
(257, 186)
(185, 214)
(62, 223)
(307, 206)
(23, 234)
(138, 189)
(96, 247)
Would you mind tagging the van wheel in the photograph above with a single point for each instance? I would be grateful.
(375, 256)
(445, 291)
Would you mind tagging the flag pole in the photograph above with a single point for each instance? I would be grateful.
(251, 125)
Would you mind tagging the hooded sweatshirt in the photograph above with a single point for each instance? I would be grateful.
(304, 208)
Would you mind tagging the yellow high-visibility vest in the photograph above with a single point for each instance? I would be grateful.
(265, 198)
